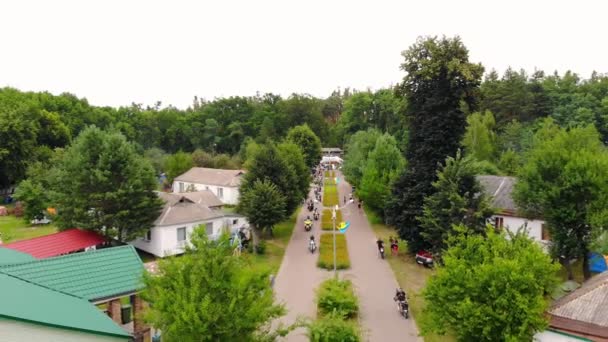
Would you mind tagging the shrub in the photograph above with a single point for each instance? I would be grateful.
(330, 195)
(261, 247)
(326, 256)
(327, 222)
(333, 328)
(337, 297)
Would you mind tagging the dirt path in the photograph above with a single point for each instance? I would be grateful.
(374, 281)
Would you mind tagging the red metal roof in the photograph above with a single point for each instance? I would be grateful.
(68, 241)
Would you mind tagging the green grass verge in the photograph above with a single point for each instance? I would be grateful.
(330, 195)
(326, 252)
(326, 221)
(410, 276)
(275, 247)
(15, 229)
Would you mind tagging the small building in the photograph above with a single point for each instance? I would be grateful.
(223, 183)
(331, 151)
(500, 190)
(181, 214)
(584, 312)
(65, 242)
(31, 312)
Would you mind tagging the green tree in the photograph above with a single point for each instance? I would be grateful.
(264, 206)
(294, 157)
(156, 157)
(35, 198)
(269, 165)
(210, 295)
(103, 185)
(358, 148)
(458, 200)
(439, 86)
(176, 164)
(479, 138)
(565, 181)
(490, 288)
(17, 144)
(310, 144)
(384, 165)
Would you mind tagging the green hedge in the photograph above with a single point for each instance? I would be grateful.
(336, 296)
(330, 195)
(333, 328)
(327, 222)
(326, 252)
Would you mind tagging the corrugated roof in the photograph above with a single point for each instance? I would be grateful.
(203, 175)
(68, 241)
(499, 189)
(92, 275)
(10, 256)
(588, 304)
(179, 208)
(24, 301)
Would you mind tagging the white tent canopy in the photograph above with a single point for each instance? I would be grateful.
(331, 159)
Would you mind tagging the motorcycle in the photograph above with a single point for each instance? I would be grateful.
(307, 225)
(403, 307)
(310, 206)
(312, 246)
(316, 216)
(382, 252)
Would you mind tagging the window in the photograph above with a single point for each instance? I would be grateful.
(220, 192)
(148, 236)
(209, 228)
(498, 222)
(544, 235)
(181, 187)
(235, 221)
(181, 234)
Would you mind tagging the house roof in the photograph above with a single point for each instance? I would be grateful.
(24, 301)
(584, 309)
(203, 175)
(180, 208)
(10, 256)
(92, 275)
(64, 242)
(499, 189)
(204, 197)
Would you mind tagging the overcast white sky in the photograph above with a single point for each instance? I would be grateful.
(118, 52)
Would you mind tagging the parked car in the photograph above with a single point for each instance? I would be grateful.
(424, 258)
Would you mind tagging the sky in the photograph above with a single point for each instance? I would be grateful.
(115, 53)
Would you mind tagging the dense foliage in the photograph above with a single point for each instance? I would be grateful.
(458, 199)
(264, 206)
(490, 288)
(440, 84)
(210, 295)
(333, 328)
(336, 296)
(565, 181)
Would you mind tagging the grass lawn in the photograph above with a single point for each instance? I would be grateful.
(275, 247)
(326, 252)
(410, 276)
(330, 195)
(326, 221)
(15, 229)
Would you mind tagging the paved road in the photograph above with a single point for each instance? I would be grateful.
(373, 279)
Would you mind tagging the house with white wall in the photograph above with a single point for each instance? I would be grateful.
(500, 190)
(181, 215)
(223, 183)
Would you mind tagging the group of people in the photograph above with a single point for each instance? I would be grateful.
(394, 245)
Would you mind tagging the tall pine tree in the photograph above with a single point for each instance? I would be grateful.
(440, 85)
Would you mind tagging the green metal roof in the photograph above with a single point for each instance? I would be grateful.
(10, 256)
(23, 301)
(93, 275)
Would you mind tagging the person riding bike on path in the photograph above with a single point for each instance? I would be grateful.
(380, 244)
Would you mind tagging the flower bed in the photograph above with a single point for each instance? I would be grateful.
(330, 195)
(326, 252)
(327, 222)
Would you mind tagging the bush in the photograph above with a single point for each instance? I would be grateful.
(330, 195)
(326, 252)
(261, 247)
(333, 328)
(337, 297)
(326, 221)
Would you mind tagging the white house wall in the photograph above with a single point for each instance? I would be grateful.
(16, 331)
(230, 194)
(534, 227)
(164, 242)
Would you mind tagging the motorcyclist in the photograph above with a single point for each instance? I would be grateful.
(311, 243)
(380, 244)
(400, 295)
